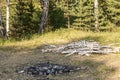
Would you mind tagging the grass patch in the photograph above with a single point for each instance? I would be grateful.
(63, 36)
(99, 67)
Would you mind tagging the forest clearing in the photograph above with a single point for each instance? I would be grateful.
(59, 39)
(14, 55)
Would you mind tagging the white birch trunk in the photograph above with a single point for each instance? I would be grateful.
(96, 13)
(68, 14)
(7, 17)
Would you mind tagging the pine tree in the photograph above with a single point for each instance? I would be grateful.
(22, 24)
(114, 12)
(56, 18)
(109, 14)
(84, 13)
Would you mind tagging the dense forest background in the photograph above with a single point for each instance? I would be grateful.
(25, 15)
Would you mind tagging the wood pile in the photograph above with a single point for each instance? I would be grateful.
(81, 47)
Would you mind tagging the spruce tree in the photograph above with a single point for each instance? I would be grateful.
(22, 24)
(114, 12)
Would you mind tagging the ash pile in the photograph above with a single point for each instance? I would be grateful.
(48, 69)
(81, 47)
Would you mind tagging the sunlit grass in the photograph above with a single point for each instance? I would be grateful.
(62, 36)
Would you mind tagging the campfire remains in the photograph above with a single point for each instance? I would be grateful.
(81, 47)
(48, 69)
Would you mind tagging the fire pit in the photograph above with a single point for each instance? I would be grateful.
(48, 69)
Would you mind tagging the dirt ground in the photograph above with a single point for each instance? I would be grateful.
(93, 67)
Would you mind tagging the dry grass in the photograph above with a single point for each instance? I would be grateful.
(64, 36)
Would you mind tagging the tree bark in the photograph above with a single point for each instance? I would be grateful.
(44, 16)
(96, 13)
(2, 30)
(7, 17)
(0, 15)
(68, 14)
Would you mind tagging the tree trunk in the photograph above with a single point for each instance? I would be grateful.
(7, 17)
(2, 31)
(68, 14)
(96, 13)
(0, 15)
(44, 16)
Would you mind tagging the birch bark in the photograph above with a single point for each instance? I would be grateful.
(7, 17)
(96, 13)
